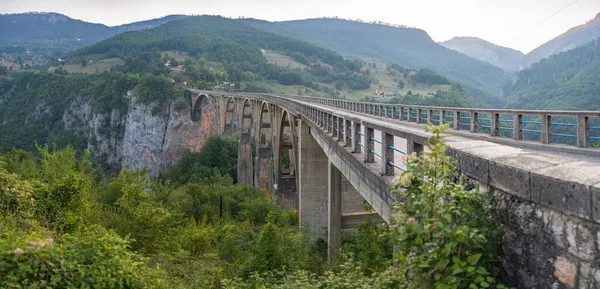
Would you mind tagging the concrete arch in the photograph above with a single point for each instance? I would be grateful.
(229, 117)
(245, 159)
(264, 149)
(199, 103)
(265, 128)
(287, 182)
(247, 116)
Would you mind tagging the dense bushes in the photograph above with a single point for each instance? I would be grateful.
(62, 226)
(89, 258)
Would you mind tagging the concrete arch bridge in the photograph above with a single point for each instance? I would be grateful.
(328, 157)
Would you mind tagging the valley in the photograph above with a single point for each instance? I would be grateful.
(204, 151)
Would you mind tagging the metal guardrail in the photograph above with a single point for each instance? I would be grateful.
(579, 128)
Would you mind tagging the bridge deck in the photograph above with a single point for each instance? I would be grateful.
(553, 150)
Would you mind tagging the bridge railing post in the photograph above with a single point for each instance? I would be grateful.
(408, 114)
(441, 117)
(334, 126)
(473, 121)
(456, 120)
(340, 129)
(357, 148)
(330, 123)
(494, 124)
(413, 147)
(546, 128)
(348, 134)
(419, 115)
(387, 154)
(517, 132)
(369, 144)
(429, 116)
(583, 130)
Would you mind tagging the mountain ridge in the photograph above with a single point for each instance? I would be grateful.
(409, 47)
(500, 56)
(572, 38)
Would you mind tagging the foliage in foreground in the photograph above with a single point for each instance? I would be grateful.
(444, 235)
(62, 228)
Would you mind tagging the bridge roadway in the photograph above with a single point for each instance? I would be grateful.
(546, 195)
(552, 150)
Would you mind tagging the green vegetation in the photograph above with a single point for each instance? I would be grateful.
(569, 80)
(406, 46)
(237, 48)
(64, 225)
(576, 36)
(503, 57)
(53, 32)
(445, 234)
(38, 102)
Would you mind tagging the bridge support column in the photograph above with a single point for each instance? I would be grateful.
(334, 218)
(264, 169)
(244, 169)
(312, 203)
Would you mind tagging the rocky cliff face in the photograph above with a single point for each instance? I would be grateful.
(145, 137)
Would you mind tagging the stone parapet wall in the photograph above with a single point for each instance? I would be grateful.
(548, 206)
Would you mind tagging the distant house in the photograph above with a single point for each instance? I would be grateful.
(168, 63)
(262, 51)
(211, 69)
(180, 67)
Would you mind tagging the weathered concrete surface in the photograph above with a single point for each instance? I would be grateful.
(313, 186)
(352, 201)
(353, 220)
(264, 169)
(245, 160)
(334, 211)
(550, 207)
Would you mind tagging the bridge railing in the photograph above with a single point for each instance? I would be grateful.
(577, 128)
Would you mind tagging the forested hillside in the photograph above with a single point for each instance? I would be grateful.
(409, 47)
(569, 80)
(503, 57)
(238, 47)
(59, 32)
(573, 38)
(101, 111)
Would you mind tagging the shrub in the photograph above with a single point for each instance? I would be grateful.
(91, 258)
(445, 235)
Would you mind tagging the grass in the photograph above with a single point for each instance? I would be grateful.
(96, 67)
(180, 56)
(386, 82)
(282, 60)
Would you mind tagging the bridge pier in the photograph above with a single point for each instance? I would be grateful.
(244, 168)
(313, 199)
(334, 212)
(264, 169)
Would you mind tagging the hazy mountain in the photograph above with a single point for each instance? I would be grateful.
(575, 37)
(57, 31)
(569, 80)
(148, 24)
(406, 46)
(503, 57)
(49, 30)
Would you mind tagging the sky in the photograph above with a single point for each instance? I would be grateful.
(501, 22)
